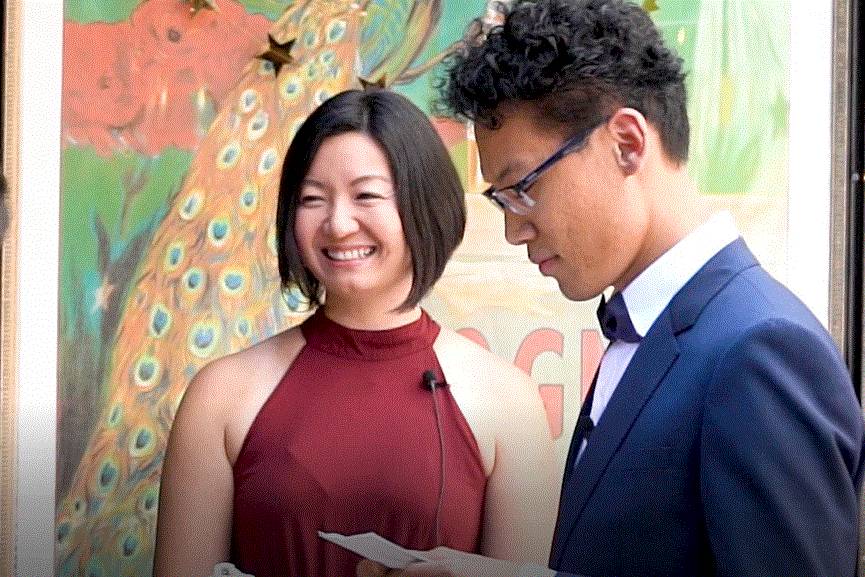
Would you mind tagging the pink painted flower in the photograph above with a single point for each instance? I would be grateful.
(177, 67)
(103, 89)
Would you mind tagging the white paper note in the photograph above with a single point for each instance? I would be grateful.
(376, 548)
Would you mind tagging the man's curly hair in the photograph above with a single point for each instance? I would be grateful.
(578, 61)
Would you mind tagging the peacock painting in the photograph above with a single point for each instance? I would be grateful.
(176, 117)
(206, 283)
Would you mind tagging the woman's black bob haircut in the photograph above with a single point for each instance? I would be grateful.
(429, 194)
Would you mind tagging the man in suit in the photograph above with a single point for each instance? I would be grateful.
(722, 435)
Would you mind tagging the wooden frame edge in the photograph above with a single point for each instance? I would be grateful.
(9, 290)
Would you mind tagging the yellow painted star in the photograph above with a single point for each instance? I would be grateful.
(367, 84)
(278, 53)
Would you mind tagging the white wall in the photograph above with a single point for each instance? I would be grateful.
(810, 150)
(38, 266)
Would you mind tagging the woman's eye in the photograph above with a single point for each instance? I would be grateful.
(369, 196)
(311, 200)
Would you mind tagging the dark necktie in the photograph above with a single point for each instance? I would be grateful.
(615, 322)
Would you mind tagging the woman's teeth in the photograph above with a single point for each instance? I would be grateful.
(353, 254)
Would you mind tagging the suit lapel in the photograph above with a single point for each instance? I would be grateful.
(645, 372)
(653, 359)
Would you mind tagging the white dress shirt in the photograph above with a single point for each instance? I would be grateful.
(649, 294)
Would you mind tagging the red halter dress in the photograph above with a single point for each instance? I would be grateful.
(348, 442)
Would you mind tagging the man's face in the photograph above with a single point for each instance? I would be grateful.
(588, 222)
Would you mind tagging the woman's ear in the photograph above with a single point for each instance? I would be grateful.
(629, 131)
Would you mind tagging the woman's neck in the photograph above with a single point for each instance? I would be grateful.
(368, 316)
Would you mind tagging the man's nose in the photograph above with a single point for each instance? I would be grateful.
(518, 229)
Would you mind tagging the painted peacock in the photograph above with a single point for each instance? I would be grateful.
(209, 284)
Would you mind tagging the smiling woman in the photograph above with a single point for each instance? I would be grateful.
(348, 227)
(426, 191)
(332, 425)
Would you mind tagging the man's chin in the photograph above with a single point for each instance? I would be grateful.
(578, 294)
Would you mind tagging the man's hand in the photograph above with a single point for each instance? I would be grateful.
(445, 562)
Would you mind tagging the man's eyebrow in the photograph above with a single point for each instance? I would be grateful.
(510, 168)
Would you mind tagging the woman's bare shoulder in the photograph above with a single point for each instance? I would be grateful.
(472, 363)
(237, 376)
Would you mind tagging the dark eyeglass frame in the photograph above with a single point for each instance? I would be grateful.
(514, 197)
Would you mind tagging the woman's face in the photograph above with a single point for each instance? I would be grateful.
(347, 226)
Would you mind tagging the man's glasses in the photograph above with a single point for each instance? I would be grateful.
(514, 197)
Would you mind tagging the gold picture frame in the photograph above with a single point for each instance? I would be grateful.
(8, 286)
(841, 284)
(839, 252)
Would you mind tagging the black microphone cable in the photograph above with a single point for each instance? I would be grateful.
(430, 383)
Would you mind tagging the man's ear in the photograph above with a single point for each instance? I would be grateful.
(629, 131)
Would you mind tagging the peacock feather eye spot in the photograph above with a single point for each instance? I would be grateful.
(336, 30)
(160, 320)
(333, 71)
(193, 279)
(292, 132)
(80, 506)
(310, 39)
(192, 205)
(146, 371)
(229, 155)
(293, 299)
(130, 545)
(107, 476)
(266, 68)
(291, 88)
(203, 338)
(242, 327)
(327, 57)
(257, 126)
(233, 281)
(174, 255)
(142, 442)
(114, 417)
(321, 95)
(218, 231)
(149, 500)
(62, 531)
(268, 161)
(248, 100)
(249, 199)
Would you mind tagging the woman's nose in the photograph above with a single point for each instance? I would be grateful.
(341, 220)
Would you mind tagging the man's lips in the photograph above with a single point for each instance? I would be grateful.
(544, 262)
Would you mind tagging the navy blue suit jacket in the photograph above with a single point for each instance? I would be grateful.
(731, 446)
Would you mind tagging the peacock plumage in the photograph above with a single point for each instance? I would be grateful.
(209, 285)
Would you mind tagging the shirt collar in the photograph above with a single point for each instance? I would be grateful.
(649, 294)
